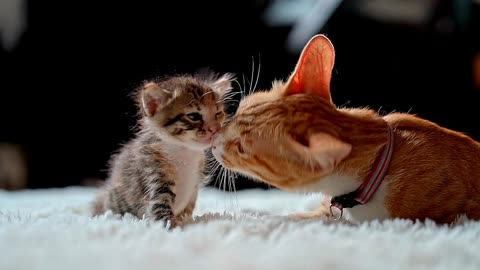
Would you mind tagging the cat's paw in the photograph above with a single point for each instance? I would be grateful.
(321, 211)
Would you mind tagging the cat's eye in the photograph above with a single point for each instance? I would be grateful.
(194, 116)
(218, 115)
(239, 146)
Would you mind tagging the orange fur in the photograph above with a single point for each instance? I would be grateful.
(293, 137)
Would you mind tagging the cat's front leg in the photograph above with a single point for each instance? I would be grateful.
(321, 211)
(161, 199)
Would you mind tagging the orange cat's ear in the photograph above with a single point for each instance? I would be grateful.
(314, 69)
(153, 98)
(323, 150)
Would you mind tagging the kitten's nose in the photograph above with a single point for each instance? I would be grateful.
(213, 129)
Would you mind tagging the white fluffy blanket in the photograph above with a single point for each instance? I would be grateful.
(51, 229)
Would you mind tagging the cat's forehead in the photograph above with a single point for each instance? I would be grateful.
(253, 101)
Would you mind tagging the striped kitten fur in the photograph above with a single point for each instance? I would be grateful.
(157, 174)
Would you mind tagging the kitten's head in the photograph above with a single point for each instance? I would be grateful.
(285, 136)
(185, 110)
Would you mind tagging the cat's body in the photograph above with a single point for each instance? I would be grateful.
(158, 173)
(293, 137)
(439, 186)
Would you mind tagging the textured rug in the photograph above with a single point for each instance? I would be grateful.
(51, 229)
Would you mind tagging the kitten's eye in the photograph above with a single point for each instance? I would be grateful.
(218, 115)
(194, 116)
(239, 146)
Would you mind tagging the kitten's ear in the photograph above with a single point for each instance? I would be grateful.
(323, 150)
(223, 84)
(153, 98)
(314, 69)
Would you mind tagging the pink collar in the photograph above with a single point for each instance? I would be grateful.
(366, 190)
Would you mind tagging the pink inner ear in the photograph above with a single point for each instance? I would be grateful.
(152, 106)
(314, 69)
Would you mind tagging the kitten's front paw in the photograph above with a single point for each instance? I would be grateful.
(170, 223)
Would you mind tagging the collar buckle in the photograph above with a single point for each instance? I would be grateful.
(339, 207)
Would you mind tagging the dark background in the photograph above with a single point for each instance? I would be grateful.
(64, 87)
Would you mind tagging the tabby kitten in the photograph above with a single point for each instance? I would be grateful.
(157, 174)
(393, 166)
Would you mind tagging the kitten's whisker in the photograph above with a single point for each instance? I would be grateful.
(230, 95)
(227, 99)
(211, 91)
(223, 101)
(233, 92)
(190, 102)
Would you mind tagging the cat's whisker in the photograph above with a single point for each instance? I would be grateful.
(249, 85)
(218, 179)
(244, 85)
(251, 78)
(242, 90)
(213, 168)
(258, 73)
(224, 176)
(216, 171)
(233, 177)
(229, 188)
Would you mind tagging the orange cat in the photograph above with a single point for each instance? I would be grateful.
(395, 166)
